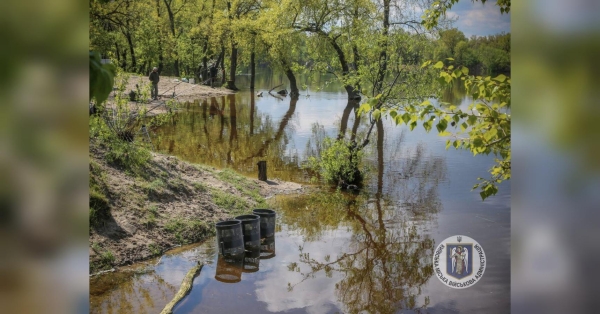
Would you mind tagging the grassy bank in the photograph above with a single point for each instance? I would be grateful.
(140, 209)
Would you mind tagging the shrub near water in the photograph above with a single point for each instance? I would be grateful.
(338, 162)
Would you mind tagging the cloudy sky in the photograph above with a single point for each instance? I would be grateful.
(479, 19)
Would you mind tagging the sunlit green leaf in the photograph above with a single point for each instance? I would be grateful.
(500, 78)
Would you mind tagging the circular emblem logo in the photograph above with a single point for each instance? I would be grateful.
(459, 262)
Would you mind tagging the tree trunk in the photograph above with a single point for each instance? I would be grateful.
(131, 51)
(143, 68)
(204, 71)
(380, 137)
(252, 109)
(176, 66)
(233, 64)
(161, 63)
(262, 170)
(352, 92)
(223, 65)
(252, 69)
(378, 84)
(172, 26)
(118, 53)
(160, 54)
(356, 120)
(293, 85)
(124, 60)
(345, 118)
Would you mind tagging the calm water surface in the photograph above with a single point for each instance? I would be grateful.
(334, 253)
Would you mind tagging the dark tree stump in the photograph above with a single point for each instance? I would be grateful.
(262, 170)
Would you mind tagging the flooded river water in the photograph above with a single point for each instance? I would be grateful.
(369, 251)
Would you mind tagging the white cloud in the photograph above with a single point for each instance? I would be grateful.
(480, 19)
(315, 295)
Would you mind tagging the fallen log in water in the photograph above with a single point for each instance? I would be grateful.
(186, 286)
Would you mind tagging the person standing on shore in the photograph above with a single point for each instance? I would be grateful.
(154, 78)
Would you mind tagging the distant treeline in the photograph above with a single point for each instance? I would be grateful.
(485, 55)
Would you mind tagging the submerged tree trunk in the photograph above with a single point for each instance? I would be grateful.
(292, 78)
(345, 117)
(252, 109)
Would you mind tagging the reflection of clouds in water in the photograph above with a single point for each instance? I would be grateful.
(324, 109)
(315, 295)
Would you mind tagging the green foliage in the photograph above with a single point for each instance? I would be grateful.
(101, 78)
(115, 128)
(338, 162)
(481, 54)
(483, 128)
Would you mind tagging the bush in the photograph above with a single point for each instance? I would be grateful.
(338, 162)
(127, 155)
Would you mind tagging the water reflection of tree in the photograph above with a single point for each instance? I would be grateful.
(134, 293)
(388, 258)
(232, 134)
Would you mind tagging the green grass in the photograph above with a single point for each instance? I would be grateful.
(188, 231)
(99, 205)
(151, 215)
(155, 186)
(245, 186)
(232, 203)
(177, 185)
(106, 258)
(200, 187)
(154, 249)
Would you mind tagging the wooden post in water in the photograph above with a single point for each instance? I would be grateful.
(262, 170)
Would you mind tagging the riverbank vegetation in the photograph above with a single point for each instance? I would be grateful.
(142, 203)
(379, 52)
